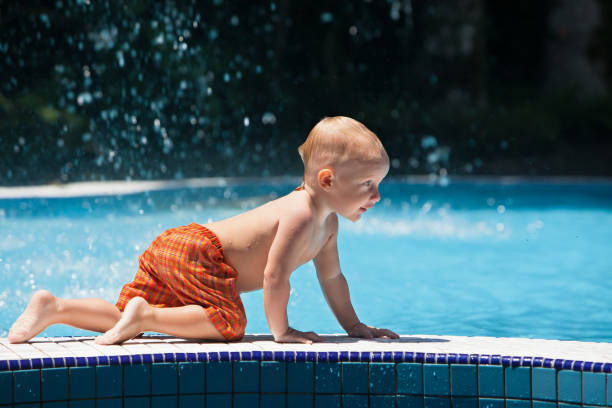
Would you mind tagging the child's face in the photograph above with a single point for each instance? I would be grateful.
(356, 187)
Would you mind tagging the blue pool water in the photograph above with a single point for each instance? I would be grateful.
(470, 258)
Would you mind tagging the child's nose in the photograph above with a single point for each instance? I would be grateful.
(375, 196)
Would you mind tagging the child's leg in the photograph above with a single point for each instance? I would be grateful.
(44, 309)
(189, 321)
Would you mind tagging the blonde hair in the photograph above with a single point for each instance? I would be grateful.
(336, 140)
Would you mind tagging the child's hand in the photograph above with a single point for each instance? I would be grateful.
(296, 336)
(368, 332)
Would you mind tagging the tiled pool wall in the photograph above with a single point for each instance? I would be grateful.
(305, 379)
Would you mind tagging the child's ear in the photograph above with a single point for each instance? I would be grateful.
(325, 178)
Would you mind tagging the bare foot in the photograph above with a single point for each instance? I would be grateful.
(35, 318)
(129, 326)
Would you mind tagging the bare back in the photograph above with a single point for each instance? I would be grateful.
(246, 238)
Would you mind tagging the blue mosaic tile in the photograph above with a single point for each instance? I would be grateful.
(300, 400)
(594, 388)
(436, 402)
(213, 357)
(163, 401)
(82, 382)
(464, 381)
(376, 356)
(577, 365)
(191, 377)
(332, 357)
(382, 401)
(311, 356)
(609, 382)
(382, 378)
(327, 378)
(224, 356)
(410, 378)
(54, 384)
(27, 386)
(178, 357)
(452, 358)
(436, 379)
(419, 357)
(58, 362)
(491, 381)
(398, 356)
(81, 362)
(365, 357)
(137, 402)
(496, 359)
(191, 401)
(441, 358)
(158, 358)
(388, 357)
(544, 383)
(543, 404)
(164, 378)
(191, 357)
(6, 387)
(548, 363)
(607, 368)
(91, 403)
(290, 356)
(103, 360)
(47, 362)
(219, 376)
(463, 358)
(114, 360)
(279, 356)
(268, 356)
(430, 358)
(588, 366)
(300, 377)
(355, 401)
(526, 362)
(464, 402)
(355, 378)
(235, 356)
(517, 403)
(246, 400)
(25, 365)
(354, 356)
(409, 357)
(274, 400)
(109, 403)
(136, 380)
(491, 403)
(567, 364)
(272, 376)
(537, 362)
(597, 367)
(70, 361)
(327, 400)
(246, 376)
(409, 401)
(518, 382)
(109, 381)
(202, 357)
(56, 404)
(219, 400)
(569, 386)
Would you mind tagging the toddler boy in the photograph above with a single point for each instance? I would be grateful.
(189, 280)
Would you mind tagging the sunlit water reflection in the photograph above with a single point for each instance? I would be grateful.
(526, 260)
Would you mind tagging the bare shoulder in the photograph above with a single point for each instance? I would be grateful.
(294, 212)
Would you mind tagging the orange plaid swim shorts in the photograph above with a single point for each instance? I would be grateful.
(185, 266)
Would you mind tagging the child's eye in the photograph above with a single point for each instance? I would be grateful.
(368, 183)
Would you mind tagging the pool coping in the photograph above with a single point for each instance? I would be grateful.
(124, 187)
(54, 352)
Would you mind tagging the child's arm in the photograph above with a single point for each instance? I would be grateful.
(284, 255)
(337, 294)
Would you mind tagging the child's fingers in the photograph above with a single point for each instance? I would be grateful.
(313, 336)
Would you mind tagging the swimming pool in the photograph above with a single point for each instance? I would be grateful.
(488, 258)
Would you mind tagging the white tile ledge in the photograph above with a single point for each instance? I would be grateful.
(51, 347)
